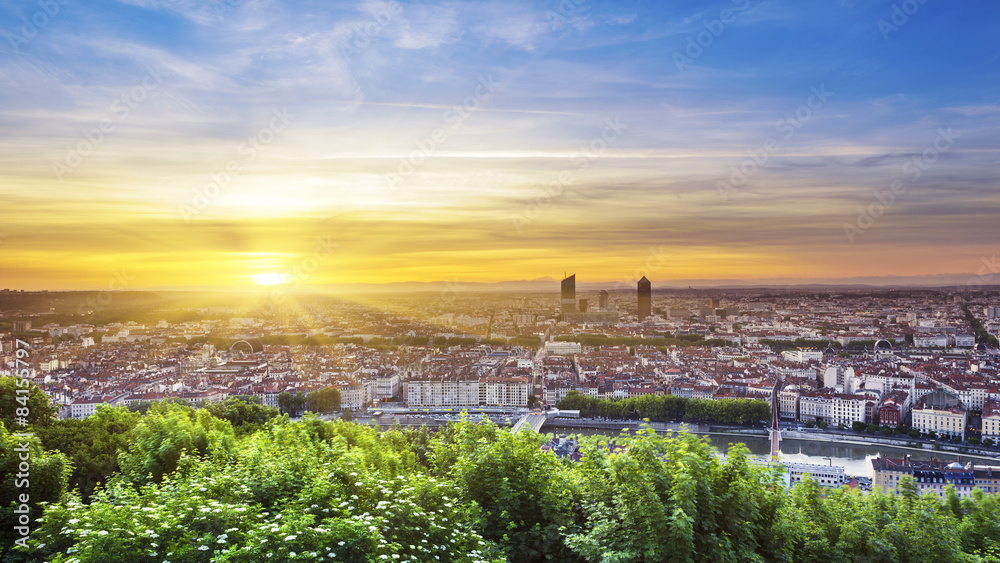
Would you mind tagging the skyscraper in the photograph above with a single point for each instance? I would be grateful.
(602, 300)
(569, 294)
(645, 298)
(583, 305)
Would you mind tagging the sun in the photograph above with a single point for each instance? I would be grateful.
(269, 278)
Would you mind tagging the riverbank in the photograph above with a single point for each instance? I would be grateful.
(807, 435)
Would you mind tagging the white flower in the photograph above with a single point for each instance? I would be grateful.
(289, 538)
(74, 521)
(203, 548)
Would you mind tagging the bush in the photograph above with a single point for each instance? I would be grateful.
(810, 424)
(914, 433)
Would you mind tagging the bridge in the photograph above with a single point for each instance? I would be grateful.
(536, 419)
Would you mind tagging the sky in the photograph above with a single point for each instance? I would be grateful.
(227, 143)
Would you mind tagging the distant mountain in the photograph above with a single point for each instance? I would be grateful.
(548, 283)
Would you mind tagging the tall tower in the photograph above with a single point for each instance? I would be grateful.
(569, 294)
(602, 300)
(645, 298)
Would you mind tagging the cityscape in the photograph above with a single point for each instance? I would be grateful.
(898, 367)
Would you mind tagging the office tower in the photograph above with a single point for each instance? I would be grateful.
(569, 294)
(713, 303)
(583, 305)
(645, 298)
(602, 300)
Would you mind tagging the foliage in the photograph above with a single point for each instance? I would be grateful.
(661, 408)
(91, 444)
(325, 400)
(191, 490)
(34, 407)
(245, 413)
(166, 433)
(46, 479)
(292, 404)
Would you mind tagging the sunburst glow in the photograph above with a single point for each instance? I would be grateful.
(270, 278)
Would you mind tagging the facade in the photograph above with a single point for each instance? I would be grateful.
(645, 294)
(933, 477)
(895, 407)
(846, 409)
(991, 419)
(494, 392)
(941, 413)
(85, 407)
(825, 475)
(352, 396)
(569, 294)
(802, 355)
(815, 406)
(385, 386)
(788, 403)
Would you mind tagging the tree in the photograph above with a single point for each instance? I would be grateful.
(324, 400)
(292, 404)
(246, 413)
(168, 432)
(23, 401)
(859, 426)
(46, 480)
(92, 444)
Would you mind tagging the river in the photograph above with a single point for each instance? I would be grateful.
(854, 458)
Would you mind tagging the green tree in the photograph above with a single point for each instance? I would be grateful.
(168, 432)
(92, 444)
(324, 400)
(292, 404)
(27, 469)
(245, 413)
(23, 401)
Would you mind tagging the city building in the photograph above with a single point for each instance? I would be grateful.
(941, 413)
(569, 294)
(934, 476)
(991, 419)
(645, 293)
(832, 476)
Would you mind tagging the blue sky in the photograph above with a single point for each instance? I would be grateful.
(364, 85)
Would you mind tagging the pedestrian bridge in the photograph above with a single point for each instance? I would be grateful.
(535, 420)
